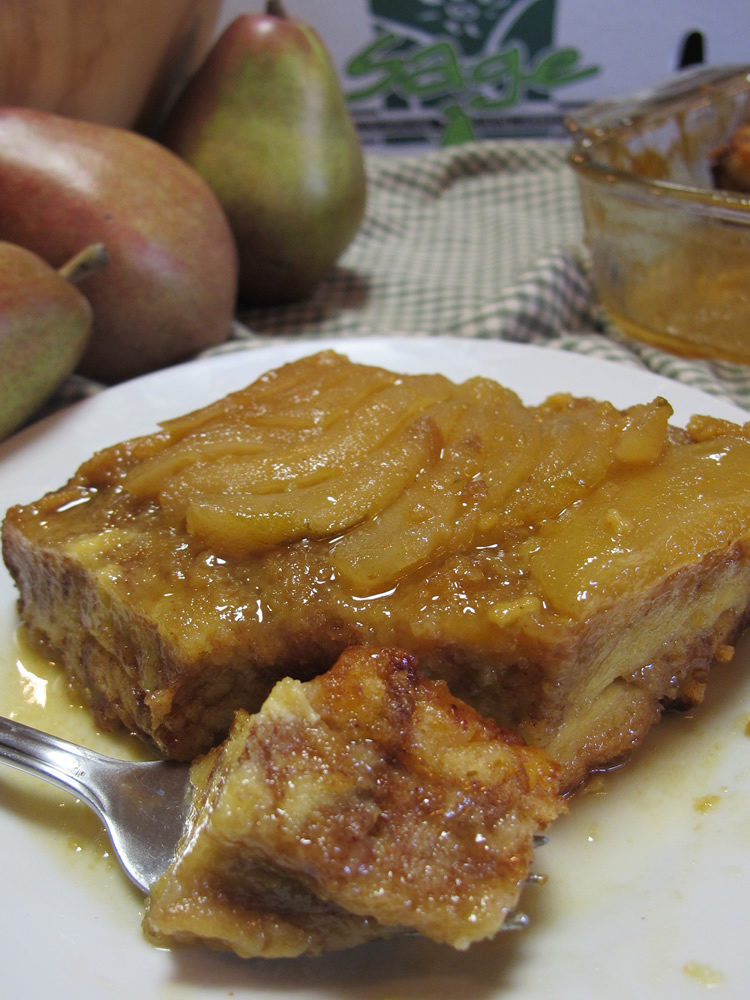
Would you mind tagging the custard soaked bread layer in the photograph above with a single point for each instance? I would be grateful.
(567, 568)
(365, 802)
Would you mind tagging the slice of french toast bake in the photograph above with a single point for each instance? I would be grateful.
(365, 802)
(569, 568)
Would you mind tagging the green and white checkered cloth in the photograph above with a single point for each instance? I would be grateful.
(476, 240)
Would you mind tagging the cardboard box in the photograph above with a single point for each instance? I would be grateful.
(441, 72)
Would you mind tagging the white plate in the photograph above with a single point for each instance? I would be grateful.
(647, 893)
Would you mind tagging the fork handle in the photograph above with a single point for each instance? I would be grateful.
(50, 757)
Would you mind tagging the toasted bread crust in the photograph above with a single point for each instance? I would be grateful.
(365, 802)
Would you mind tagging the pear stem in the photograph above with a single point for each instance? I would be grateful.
(275, 8)
(89, 260)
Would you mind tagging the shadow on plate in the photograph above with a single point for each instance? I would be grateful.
(410, 967)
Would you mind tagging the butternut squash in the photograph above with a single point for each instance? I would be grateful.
(104, 61)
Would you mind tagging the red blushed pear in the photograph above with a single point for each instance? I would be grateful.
(45, 325)
(169, 289)
(265, 122)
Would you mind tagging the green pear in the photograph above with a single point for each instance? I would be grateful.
(265, 122)
(170, 287)
(45, 323)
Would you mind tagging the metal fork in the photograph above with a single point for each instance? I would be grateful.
(144, 805)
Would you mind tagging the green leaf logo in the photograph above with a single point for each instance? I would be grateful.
(461, 62)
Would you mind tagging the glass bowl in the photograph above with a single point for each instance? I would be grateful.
(670, 251)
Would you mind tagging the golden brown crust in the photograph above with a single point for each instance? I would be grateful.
(364, 802)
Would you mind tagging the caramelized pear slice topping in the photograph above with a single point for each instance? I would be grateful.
(241, 523)
(616, 538)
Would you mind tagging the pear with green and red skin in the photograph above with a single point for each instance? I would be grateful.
(170, 286)
(265, 122)
(45, 324)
